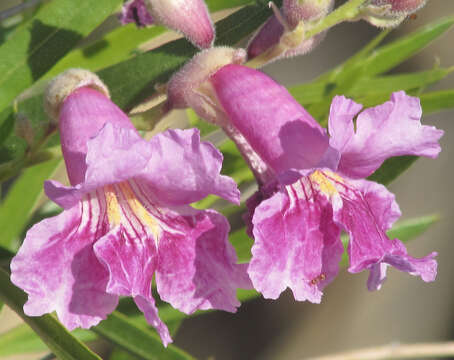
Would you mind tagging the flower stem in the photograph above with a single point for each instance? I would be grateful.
(396, 351)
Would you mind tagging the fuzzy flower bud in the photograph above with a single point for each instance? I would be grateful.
(283, 34)
(188, 87)
(189, 17)
(65, 84)
(390, 13)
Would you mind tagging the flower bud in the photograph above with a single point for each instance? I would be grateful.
(283, 33)
(65, 84)
(390, 13)
(295, 11)
(135, 11)
(189, 87)
(189, 17)
(79, 101)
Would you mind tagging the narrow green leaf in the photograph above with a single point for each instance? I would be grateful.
(389, 56)
(390, 83)
(405, 230)
(60, 341)
(21, 339)
(144, 343)
(16, 208)
(437, 101)
(392, 168)
(120, 44)
(37, 44)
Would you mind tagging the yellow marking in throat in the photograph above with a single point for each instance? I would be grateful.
(324, 184)
(113, 208)
(139, 210)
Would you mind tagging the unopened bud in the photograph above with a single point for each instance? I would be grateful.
(65, 84)
(189, 87)
(135, 11)
(189, 17)
(305, 10)
(390, 13)
(282, 35)
(24, 129)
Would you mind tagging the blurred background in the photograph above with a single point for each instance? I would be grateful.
(405, 310)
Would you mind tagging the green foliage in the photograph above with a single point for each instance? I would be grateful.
(60, 341)
(16, 208)
(40, 42)
(138, 341)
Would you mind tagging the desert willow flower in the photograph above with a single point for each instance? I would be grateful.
(127, 218)
(311, 185)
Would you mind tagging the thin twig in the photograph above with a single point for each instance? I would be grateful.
(396, 351)
(5, 14)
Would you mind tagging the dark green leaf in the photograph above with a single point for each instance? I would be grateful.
(60, 341)
(38, 44)
(391, 55)
(392, 168)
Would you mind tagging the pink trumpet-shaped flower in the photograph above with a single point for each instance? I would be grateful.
(126, 219)
(189, 17)
(315, 185)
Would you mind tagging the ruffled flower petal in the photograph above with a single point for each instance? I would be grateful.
(184, 169)
(131, 262)
(296, 243)
(58, 269)
(390, 129)
(117, 154)
(366, 220)
(274, 124)
(197, 265)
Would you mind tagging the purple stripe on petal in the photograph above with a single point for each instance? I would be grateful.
(391, 129)
(366, 219)
(58, 269)
(131, 262)
(296, 243)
